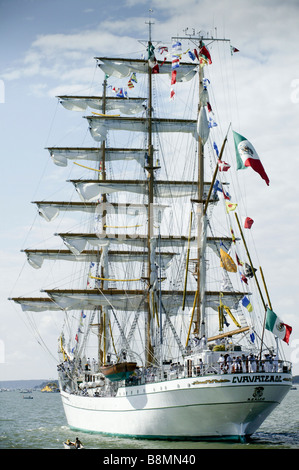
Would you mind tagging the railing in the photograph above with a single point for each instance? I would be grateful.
(180, 371)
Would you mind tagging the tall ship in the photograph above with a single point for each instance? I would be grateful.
(168, 330)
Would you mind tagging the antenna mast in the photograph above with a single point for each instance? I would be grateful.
(150, 11)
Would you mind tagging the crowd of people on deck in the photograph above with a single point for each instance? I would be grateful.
(226, 364)
(234, 363)
(247, 363)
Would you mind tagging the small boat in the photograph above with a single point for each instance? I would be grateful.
(72, 445)
(28, 398)
(119, 371)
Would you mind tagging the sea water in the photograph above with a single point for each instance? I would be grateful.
(40, 423)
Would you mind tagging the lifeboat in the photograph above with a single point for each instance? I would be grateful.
(118, 371)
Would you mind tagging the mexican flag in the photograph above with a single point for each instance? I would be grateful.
(278, 328)
(247, 156)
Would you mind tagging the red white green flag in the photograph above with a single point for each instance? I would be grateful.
(247, 156)
(278, 328)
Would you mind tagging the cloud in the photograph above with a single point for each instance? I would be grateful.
(68, 58)
(38, 90)
(132, 3)
(60, 90)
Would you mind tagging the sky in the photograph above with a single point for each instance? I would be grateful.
(48, 48)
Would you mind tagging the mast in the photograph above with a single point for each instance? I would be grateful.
(199, 321)
(102, 321)
(198, 302)
(199, 207)
(150, 170)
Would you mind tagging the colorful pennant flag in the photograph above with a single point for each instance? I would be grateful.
(173, 77)
(175, 62)
(162, 49)
(247, 304)
(243, 277)
(212, 123)
(230, 206)
(248, 222)
(240, 263)
(191, 55)
(226, 195)
(176, 48)
(164, 60)
(248, 270)
(120, 92)
(216, 149)
(218, 187)
(155, 68)
(203, 62)
(233, 49)
(176, 55)
(223, 166)
(204, 51)
(227, 262)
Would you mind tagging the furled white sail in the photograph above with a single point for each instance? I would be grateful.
(100, 125)
(90, 191)
(121, 68)
(36, 257)
(88, 300)
(61, 155)
(35, 304)
(125, 301)
(124, 105)
(77, 242)
(49, 210)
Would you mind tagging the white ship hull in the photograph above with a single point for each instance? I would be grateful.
(231, 406)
